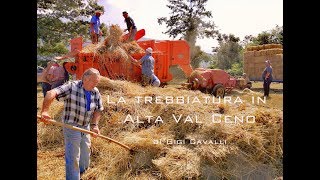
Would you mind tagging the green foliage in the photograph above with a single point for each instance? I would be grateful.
(236, 69)
(199, 57)
(228, 52)
(42, 63)
(188, 16)
(61, 20)
(213, 62)
(188, 20)
(48, 49)
(273, 36)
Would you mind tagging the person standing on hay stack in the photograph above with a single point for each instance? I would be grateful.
(131, 27)
(267, 78)
(82, 108)
(148, 76)
(95, 32)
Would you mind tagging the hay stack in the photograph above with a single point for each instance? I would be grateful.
(132, 47)
(115, 36)
(179, 163)
(112, 53)
(254, 61)
(249, 146)
(89, 48)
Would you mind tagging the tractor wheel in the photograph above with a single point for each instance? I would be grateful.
(249, 85)
(218, 91)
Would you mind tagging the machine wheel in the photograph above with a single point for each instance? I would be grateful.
(218, 91)
(249, 85)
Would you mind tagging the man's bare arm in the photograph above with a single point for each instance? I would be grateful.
(95, 121)
(47, 102)
(96, 117)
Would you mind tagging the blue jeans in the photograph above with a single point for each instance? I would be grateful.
(77, 152)
(155, 81)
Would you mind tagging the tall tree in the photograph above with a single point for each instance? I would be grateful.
(188, 20)
(273, 36)
(60, 20)
(228, 52)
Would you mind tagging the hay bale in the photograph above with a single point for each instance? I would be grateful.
(268, 46)
(257, 53)
(248, 54)
(277, 46)
(179, 163)
(254, 48)
(263, 52)
(248, 48)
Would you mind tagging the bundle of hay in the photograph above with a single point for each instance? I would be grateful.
(251, 148)
(179, 163)
(132, 47)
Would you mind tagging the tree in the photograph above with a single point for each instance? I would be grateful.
(273, 36)
(228, 52)
(199, 57)
(60, 20)
(188, 20)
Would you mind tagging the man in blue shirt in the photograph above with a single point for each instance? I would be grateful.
(95, 27)
(148, 76)
(82, 108)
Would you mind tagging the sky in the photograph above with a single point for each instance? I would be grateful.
(238, 17)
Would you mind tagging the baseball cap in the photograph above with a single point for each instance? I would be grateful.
(149, 50)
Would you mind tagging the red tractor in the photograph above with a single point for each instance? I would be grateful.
(215, 81)
(166, 53)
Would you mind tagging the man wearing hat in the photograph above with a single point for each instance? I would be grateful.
(95, 32)
(131, 27)
(148, 76)
(267, 78)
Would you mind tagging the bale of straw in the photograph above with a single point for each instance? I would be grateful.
(248, 53)
(268, 46)
(263, 52)
(276, 46)
(257, 53)
(248, 48)
(254, 48)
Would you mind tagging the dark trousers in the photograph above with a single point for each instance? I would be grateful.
(45, 87)
(266, 87)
